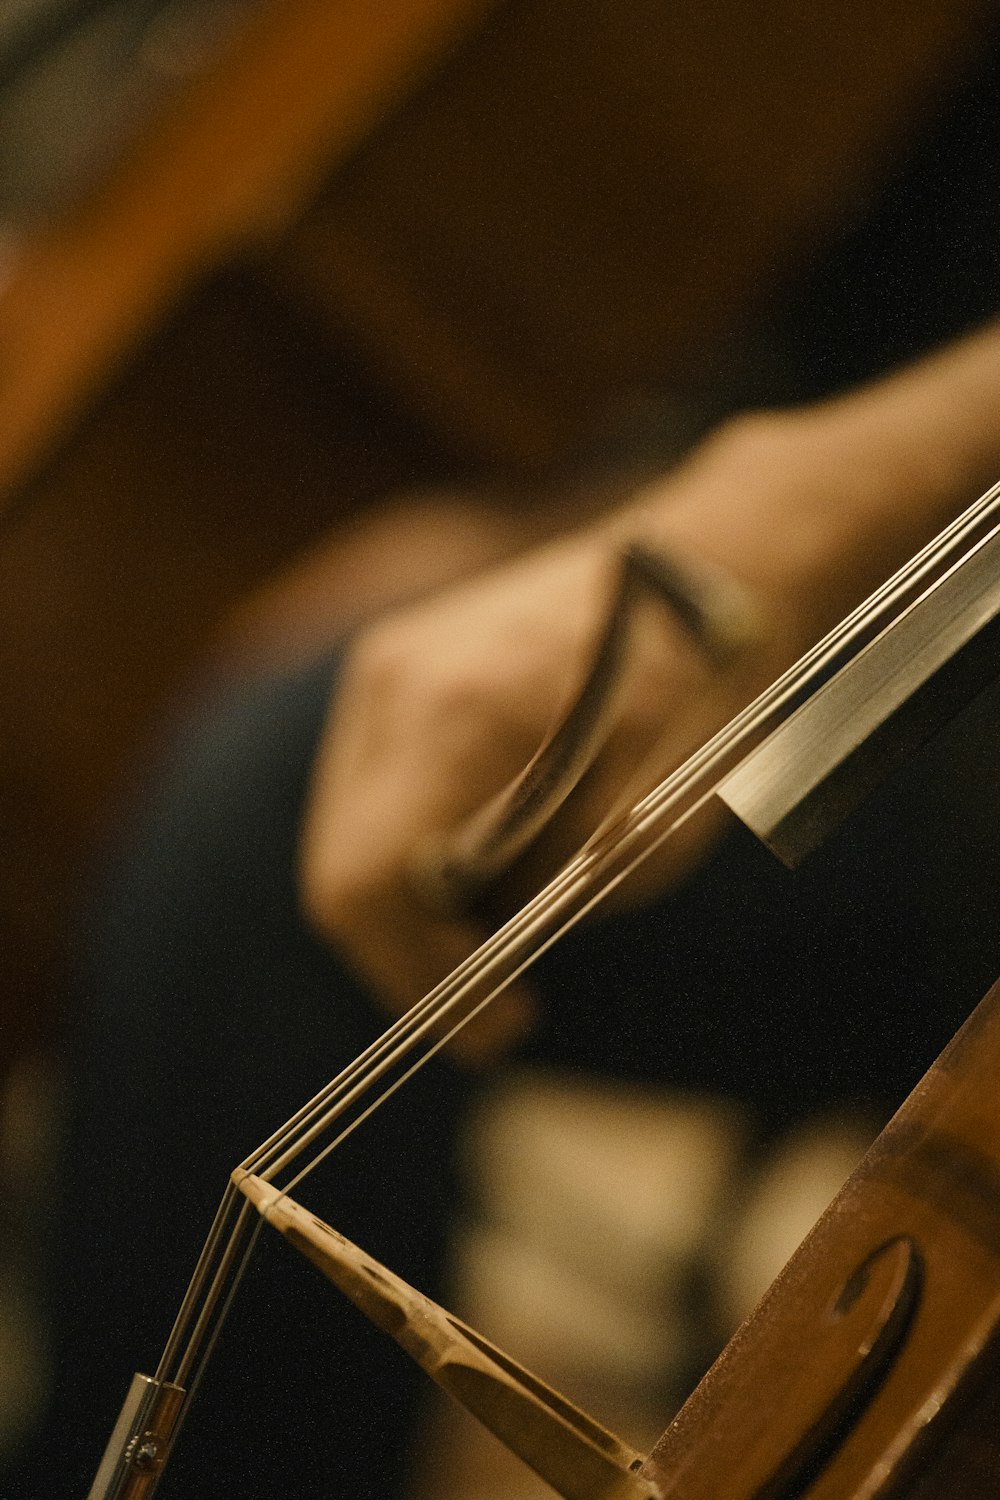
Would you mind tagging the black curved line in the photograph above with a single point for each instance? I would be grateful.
(815, 1448)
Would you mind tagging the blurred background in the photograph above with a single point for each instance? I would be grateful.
(306, 305)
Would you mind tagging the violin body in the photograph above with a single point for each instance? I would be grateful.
(870, 1367)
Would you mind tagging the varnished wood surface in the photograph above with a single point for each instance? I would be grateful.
(932, 1180)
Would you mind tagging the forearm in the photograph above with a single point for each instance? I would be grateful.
(814, 507)
(938, 421)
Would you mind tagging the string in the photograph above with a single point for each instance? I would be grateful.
(419, 1020)
(378, 1059)
(585, 881)
(775, 698)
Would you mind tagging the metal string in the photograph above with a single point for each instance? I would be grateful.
(608, 858)
(416, 1022)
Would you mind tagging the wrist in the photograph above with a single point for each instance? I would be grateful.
(781, 502)
(936, 422)
(812, 508)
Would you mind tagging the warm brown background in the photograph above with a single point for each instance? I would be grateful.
(358, 255)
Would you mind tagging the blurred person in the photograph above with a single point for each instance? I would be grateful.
(262, 921)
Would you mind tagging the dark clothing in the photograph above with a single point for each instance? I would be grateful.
(212, 1014)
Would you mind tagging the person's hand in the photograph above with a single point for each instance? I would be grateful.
(442, 704)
